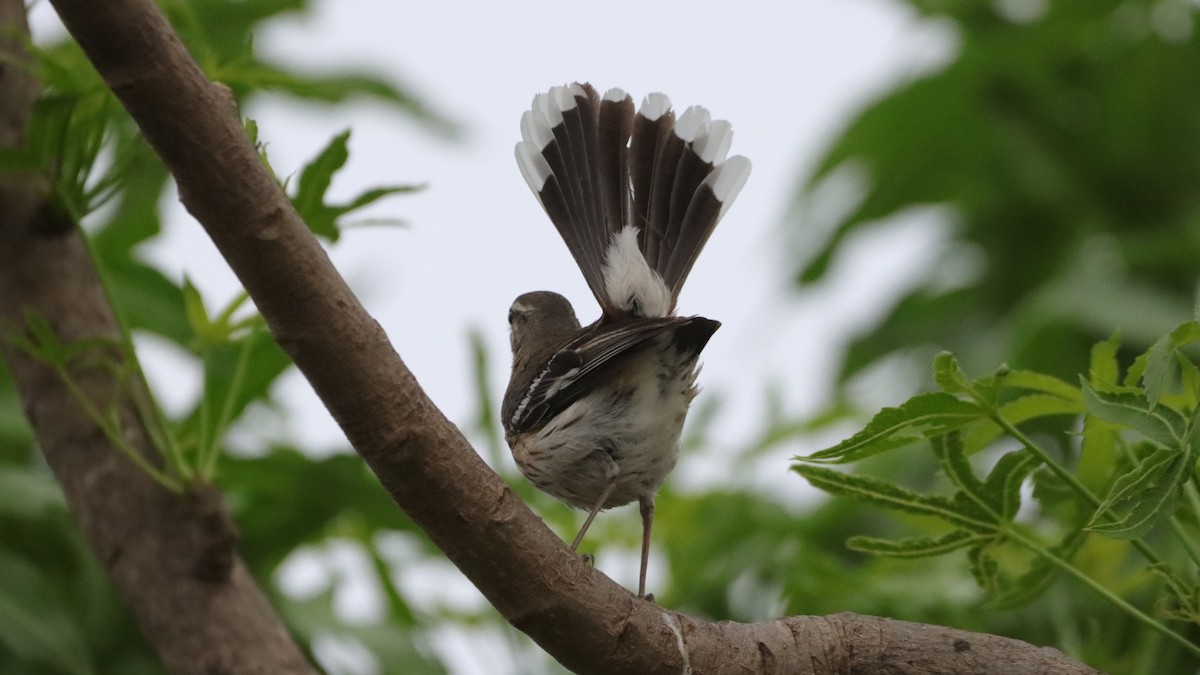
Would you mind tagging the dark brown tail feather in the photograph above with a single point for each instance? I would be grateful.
(596, 168)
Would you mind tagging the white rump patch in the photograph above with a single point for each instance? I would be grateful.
(629, 282)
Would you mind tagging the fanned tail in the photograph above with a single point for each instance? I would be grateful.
(598, 168)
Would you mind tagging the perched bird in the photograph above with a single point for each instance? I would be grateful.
(593, 414)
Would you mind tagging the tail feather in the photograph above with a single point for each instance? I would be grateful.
(707, 205)
(579, 121)
(598, 168)
(615, 127)
(562, 109)
(651, 131)
(689, 171)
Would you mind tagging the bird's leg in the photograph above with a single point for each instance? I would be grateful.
(611, 471)
(647, 507)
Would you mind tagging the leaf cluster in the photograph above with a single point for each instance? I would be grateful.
(1057, 147)
(1025, 516)
(57, 610)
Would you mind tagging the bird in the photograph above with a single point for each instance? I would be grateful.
(593, 414)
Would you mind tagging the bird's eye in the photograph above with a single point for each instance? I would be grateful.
(518, 311)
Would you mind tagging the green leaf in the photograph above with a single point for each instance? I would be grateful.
(41, 341)
(147, 300)
(891, 496)
(1189, 378)
(1097, 453)
(983, 432)
(1041, 573)
(1147, 494)
(42, 333)
(398, 607)
(373, 195)
(1003, 484)
(980, 434)
(914, 547)
(25, 495)
(949, 451)
(1047, 384)
(225, 316)
(487, 418)
(311, 197)
(35, 624)
(135, 217)
(948, 375)
(1152, 368)
(338, 87)
(315, 179)
(922, 416)
(1155, 366)
(1183, 598)
(1159, 423)
(278, 510)
(985, 569)
(19, 161)
(195, 311)
(236, 374)
(251, 126)
(1034, 406)
(1104, 373)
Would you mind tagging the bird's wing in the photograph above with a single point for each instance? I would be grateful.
(581, 365)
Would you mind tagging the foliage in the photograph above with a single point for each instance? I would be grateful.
(1063, 138)
(1058, 147)
(58, 613)
(1139, 440)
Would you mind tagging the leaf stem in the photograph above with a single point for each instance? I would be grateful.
(1176, 526)
(1067, 477)
(1134, 612)
(114, 436)
(208, 463)
(1058, 469)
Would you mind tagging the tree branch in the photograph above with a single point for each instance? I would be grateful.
(170, 556)
(583, 619)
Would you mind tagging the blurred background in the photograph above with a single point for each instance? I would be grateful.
(1010, 180)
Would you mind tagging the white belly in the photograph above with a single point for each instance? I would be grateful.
(634, 420)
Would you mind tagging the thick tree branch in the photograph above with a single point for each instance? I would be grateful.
(171, 556)
(587, 622)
